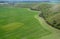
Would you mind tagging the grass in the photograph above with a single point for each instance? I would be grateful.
(19, 23)
(12, 26)
(55, 33)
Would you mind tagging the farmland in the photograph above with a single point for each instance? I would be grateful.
(23, 23)
(19, 23)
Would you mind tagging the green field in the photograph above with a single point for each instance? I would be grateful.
(20, 23)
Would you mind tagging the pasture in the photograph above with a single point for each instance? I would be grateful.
(20, 23)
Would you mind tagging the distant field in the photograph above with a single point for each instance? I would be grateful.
(19, 23)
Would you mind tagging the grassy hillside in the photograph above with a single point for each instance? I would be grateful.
(53, 15)
(50, 12)
(19, 23)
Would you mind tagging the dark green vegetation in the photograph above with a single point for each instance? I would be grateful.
(19, 23)
(51, 13)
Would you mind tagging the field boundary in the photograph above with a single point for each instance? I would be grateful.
(44, 24)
